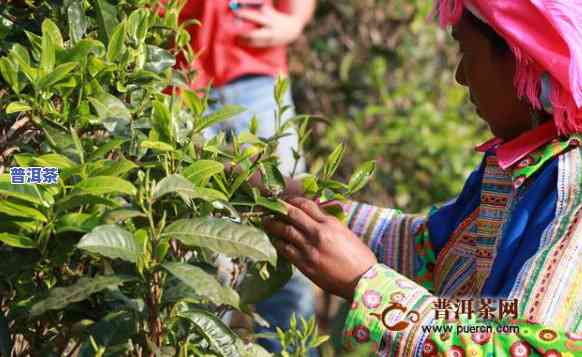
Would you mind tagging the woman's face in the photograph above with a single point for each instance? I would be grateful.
(488, 73)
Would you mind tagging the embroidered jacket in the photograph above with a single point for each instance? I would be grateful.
(495, 272)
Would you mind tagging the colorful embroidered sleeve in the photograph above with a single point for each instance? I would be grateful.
(396, 317)
(400, 241)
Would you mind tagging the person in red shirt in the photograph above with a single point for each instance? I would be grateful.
(242, 47)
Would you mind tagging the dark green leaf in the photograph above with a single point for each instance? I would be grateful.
(81, 51)
(221, 236)
(203, 284)
(59, 298)
(220, 338)
(272, 177)
(254, 288)
(114, 329)
(77, 222)
(273, 204)
(106, 19)
(111, 241)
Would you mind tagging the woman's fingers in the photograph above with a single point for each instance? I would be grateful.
(287, 250)
(309, 207)
(286, 232)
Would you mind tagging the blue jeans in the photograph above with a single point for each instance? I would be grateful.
(256, 94)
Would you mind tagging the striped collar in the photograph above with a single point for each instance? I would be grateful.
(525, 155)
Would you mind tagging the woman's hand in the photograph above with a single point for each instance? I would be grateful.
(277, 28)
(321, 247)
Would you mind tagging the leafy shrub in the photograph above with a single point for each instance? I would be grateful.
(121, 257)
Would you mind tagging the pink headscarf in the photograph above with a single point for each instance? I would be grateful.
(546, 38)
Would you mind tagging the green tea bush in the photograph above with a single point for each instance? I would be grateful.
(121, 256)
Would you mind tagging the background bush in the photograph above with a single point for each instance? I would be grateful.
(384, 78)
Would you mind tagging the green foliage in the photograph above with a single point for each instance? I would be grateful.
(299, 338)
(386, 84)
(119, 258)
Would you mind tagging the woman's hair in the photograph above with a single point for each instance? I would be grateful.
(499, 44)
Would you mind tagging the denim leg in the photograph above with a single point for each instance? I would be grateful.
(255, 94)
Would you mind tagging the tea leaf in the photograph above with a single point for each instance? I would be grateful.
(59, 298)
(16, 107)
(333, 162)
(112, 242)
(157, 145)
(55, 76)
(117, 44)
(221, 236)
(219, 337)
(100, 185)
(17, 241)
(224, 113)
(254, 288)
(360, 178)
(77, 21)
(186, 190)
(106, 18)
(202, 170)
(17, 210)
(158, 59)
(203, 284)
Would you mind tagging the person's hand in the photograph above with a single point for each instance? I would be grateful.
(321, 247)
(277, 28)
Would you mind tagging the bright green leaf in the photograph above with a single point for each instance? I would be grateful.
(361, 176)
(116, 46)
(224, 113)
(17, 107)
(18, 210)
(100, 185)
(157, 145)
(17, 241)
(186, 190)
(200, 172)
